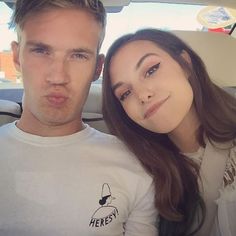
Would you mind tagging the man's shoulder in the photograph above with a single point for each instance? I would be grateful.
(106, 139)
(107, 144)
(4, 128)
(113, 150)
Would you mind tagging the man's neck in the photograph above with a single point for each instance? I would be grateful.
(49, 130)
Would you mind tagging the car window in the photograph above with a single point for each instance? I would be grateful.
(132, 17)
(159, 15)
(8, 74)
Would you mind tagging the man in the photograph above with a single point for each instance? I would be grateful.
(58, 176)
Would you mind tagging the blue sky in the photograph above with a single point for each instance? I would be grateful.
(133, 17)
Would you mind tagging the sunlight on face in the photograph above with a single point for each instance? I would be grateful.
(152, 88)
(57, 57)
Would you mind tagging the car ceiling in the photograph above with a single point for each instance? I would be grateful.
(116, 5)
(224, 3)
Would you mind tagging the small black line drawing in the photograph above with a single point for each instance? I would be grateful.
(106, 213)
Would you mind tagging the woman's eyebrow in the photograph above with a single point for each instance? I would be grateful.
(116, 86)
(141, 60)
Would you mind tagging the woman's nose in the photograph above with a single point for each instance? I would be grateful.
(146, 95)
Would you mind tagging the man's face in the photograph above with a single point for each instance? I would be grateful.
(57, 56)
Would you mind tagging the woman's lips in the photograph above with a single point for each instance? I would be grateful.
(151, 110)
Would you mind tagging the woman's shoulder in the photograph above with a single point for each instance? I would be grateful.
(230, 170)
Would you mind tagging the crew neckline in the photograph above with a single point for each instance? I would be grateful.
(197, 156)
(37, 140)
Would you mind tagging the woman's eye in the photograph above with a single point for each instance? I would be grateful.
(124, 95)
(152, 70)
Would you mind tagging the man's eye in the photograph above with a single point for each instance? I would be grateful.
(124, 95)
(152, 70)
(79, 56)
(40, 51)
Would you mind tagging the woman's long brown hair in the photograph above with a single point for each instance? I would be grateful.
(177, 195)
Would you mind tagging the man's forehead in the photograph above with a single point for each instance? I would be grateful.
(51, 14)
(61, 23)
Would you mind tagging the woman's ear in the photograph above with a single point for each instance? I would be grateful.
(15, 51)
(99, 66)
(186, 57)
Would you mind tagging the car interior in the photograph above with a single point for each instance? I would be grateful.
(218, 51)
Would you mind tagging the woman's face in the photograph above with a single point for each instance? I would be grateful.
(151, 86)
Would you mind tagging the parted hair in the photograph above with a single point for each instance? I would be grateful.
(177, 193)
(25, 8)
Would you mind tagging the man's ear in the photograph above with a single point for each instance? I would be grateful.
(16, 50)
(99, 66)
(186, 57)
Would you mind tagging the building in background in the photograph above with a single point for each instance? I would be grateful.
(7, 68)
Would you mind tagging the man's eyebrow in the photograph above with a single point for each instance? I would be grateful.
(38, 44)
(116, 86)
(82, 50)
(47, 46)
(140, 61)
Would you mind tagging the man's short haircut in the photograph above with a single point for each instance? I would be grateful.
(26, 8)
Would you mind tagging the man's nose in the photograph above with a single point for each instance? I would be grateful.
(58, 72)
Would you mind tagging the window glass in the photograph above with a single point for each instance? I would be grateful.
(158, 15)
(8, 74)
(132, 17)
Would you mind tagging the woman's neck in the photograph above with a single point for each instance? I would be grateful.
(185, 135)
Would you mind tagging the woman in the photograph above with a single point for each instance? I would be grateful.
(160, 101)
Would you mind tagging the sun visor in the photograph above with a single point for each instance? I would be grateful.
(115, 5)
(213, 17)
(110, 6)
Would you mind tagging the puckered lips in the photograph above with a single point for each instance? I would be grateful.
(56, 99)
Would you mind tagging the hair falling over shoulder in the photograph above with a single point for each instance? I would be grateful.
(177, 193)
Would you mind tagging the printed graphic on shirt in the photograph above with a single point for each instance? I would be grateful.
(106, 213)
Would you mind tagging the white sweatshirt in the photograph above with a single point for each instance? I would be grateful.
(84, 184)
